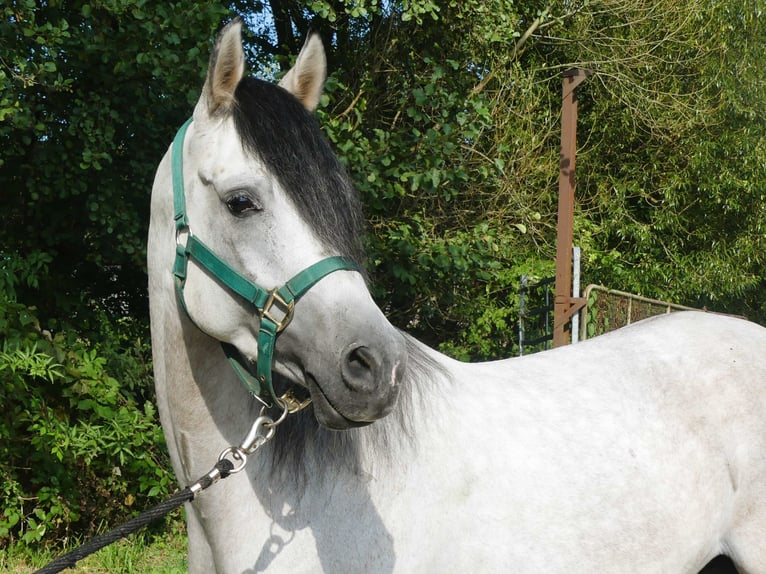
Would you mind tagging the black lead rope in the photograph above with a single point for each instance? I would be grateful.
(260, 433)
(222, 469)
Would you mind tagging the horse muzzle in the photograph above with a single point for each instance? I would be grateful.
(366, 390)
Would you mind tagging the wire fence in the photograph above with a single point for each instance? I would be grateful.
(609, 309)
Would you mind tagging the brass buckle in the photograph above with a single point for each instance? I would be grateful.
(282, 305)
(291, 403)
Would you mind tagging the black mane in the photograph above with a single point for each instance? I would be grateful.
(276, 127)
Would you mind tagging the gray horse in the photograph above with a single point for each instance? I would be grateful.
(642, 451)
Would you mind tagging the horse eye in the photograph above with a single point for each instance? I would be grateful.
(241, 204)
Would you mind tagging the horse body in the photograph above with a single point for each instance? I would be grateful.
(639, 451)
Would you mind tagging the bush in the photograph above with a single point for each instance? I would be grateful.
(78, 451)
(455, 217)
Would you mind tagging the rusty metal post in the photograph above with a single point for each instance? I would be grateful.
(564, 305)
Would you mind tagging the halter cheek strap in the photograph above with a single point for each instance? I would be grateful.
(274, 307)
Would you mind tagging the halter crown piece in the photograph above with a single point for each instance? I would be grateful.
(274, 307)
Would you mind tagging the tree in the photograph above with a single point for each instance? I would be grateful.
(672, 203)
(447, 116)
(90, 95)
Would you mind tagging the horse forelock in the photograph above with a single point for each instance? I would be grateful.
(304, 451)
(275, 127)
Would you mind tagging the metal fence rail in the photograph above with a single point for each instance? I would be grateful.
(609, 309)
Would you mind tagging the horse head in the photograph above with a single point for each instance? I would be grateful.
(265, 193)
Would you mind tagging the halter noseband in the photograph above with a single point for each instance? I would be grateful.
(274, 306)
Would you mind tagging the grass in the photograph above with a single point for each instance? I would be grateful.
(138, 554)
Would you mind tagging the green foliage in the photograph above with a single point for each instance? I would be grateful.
(445, 247)
(90, 95)
(447, 116)
(76, 451)
(449, 124)
(672, 206)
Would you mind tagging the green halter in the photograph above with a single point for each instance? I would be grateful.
(275, 306)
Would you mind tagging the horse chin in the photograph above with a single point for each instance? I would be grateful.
(326, 414)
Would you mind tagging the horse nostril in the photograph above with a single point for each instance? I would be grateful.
(362, 358)
(360, 369)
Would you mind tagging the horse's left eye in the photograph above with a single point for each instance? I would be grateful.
(241, 204)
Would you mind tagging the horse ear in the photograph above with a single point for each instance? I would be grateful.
(305, 80)
(226, 68)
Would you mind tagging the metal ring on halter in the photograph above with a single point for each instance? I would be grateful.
(180, 231)
(285, 411)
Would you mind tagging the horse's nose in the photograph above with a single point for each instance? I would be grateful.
(362, 369)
